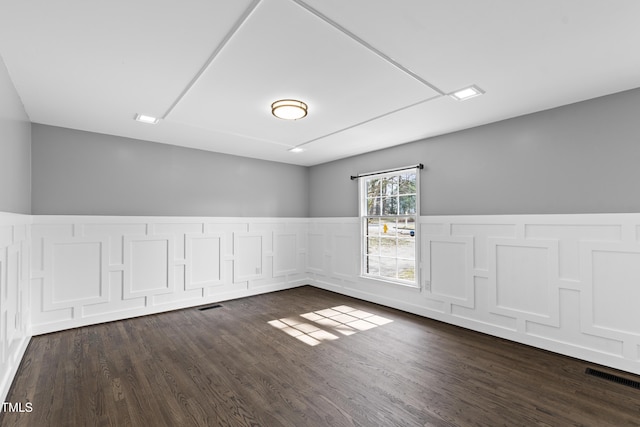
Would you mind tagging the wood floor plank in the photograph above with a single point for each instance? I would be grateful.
(250, 363)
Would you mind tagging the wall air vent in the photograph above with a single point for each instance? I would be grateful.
(209, 307)
(612, 377)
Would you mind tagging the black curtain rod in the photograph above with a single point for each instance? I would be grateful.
(418, 166)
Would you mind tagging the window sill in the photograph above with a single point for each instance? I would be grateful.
(408, 285)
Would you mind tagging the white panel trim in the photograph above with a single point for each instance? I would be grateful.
(278, 250)
(15, 322)
(588, 324)
(467, 241)
(190, 283)
(178, 286)
(556, 219)
(551, 317)
(316, 237)
(259, 269)
(105, 219)
(49, 284)
(542, 327)
(337, 254)
(128, 282)
(315, 268)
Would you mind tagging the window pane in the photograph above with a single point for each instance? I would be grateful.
(373, 246)
(389, 206)
(408, 183)
(372, 265)
(388, 247)
(406, 270)
(390, 186)
(406, 248)
(388, 267)
(373, 206)
(389, 226)
(373, 187)
(407, 205)
(407, 226)
(373, 227)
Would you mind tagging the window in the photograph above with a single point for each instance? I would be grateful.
(389, 211)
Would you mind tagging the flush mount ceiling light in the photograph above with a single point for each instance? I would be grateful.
(296, 150)
(147, 119)
(466, 93)
(289, 109)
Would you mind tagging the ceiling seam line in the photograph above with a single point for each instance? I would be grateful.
(369, 120)
(236, 26)
(368, 46)
(237, 134)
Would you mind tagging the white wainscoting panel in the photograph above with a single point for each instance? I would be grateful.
(565, 283)
(448, 269)
(315, 258)
(14, 295)
(334, 251)
(284, 246)
(78, 277)
(611, 293)
(205, 266)
(249, 259)
(148, 265)
(523, 279)
(286, 255)
(86, 269)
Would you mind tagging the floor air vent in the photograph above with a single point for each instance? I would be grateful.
(209, 307)
(614, 378)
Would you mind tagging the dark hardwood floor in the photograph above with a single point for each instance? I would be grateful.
(257, 362)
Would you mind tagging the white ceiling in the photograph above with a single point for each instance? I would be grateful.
(374, 73)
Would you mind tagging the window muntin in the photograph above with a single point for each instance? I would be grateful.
(389, 211)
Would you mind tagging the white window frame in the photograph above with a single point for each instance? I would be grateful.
(363, 214)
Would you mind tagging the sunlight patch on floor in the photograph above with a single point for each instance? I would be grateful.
(317, 326)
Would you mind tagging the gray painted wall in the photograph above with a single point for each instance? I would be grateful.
(76, 172)
(581, 158)
(15, 149)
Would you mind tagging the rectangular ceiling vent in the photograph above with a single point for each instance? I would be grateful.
(612, 377)
(209, 307)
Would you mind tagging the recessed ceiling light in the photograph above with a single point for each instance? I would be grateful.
(296, 149)
(289, 109)
(466, 93)
(147, 119)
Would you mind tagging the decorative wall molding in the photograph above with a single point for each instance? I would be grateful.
(15, 242)
(250, 251)
(87, 269)
(448, 269)
(523, 279)
(205, 260)
(610, 291)
(78, 276)
(565, 283)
